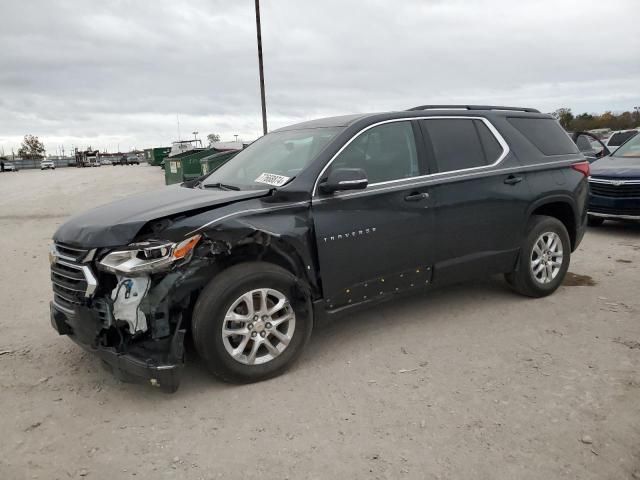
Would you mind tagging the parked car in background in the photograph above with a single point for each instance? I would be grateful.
(615, 185)
(8, 167)
(618, 137)
(312, 221)
(127, 160)
(590, 145)
(47, 164)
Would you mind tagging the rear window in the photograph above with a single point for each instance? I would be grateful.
(619, 138)
(546, 134)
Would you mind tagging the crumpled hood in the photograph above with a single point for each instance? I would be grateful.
(117, 223)
(616, 167)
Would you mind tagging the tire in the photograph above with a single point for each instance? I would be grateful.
(523, 280)
(215, 302)
(594, 221)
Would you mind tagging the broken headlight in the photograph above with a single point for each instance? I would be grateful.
(148, 257)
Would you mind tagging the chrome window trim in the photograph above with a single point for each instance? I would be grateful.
(424, 181)
(610, 181)
(492, 129)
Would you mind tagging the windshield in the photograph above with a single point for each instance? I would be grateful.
(629, 149)
(272, 160)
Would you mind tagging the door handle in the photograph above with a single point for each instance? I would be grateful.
(512, 180)
(416, 197)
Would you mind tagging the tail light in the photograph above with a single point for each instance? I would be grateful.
(582, 167)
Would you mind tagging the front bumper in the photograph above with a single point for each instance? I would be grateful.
(159, 365)
(623, 208)
(612, 216)
(614, 198)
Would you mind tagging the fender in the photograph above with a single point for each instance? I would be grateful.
(276, 231)
(575, 226)
(555, 198)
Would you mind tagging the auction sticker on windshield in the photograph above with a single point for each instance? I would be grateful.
(272, 179)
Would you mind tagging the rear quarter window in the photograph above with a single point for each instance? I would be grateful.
(545, 134)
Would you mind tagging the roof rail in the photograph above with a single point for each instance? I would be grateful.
(473, 107)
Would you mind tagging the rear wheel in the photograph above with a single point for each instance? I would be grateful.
(594, 221)
(251, 322)
(544, 258)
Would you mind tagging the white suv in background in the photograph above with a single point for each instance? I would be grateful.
(618, 137)
(47, 164)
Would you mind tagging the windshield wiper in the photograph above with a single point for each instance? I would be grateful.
(221, 186)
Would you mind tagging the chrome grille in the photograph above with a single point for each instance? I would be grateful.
(72, 282)
(615, 188)
(73, 254)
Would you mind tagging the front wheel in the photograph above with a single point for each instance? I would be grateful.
(251, 322)
(544, 258)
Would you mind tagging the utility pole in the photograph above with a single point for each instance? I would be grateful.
(260, 67)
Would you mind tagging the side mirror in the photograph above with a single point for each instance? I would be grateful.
(345, 179)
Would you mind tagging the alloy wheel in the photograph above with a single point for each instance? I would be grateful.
(546, 257)
(258, 326)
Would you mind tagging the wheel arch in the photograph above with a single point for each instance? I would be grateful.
(265, 247)
(561, 207)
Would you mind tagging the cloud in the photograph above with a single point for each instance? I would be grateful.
(118, 72)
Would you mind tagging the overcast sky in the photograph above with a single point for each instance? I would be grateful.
(112, 73)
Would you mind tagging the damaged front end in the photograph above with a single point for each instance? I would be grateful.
(127, 305)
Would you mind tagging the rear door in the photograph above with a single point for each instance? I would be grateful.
(379, 240)
(482, 196)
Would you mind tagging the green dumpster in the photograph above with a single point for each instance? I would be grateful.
(185, 166)
(155, 156)
(213, 162)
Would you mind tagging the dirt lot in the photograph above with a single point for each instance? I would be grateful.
(468, 382)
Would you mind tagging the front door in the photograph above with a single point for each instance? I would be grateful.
(377, 241)
(590, 146)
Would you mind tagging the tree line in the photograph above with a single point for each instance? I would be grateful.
(33, 148)
(588, 121)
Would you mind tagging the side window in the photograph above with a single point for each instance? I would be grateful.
(545, 134)
(460, 143)
(386, 152)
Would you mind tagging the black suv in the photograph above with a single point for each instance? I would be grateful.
(314, 220)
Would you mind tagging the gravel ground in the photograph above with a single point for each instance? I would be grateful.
(471, 381)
